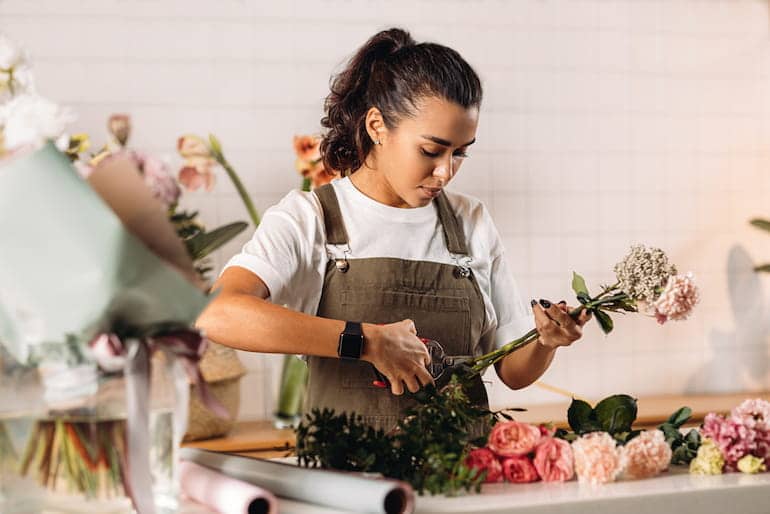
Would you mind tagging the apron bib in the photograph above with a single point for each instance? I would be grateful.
(443, 300)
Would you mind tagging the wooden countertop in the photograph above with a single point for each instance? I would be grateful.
(261, 439)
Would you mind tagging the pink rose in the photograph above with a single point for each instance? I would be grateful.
(553, 460)
(483, 459)
(307, 148)
(119, 126)
(519, 470)
(513, 439)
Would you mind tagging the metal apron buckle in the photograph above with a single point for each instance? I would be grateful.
(462, 269)
(342, 264)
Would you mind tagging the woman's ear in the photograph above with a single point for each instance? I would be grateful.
(375, 125)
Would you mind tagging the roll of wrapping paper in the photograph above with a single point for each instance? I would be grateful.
(336, 489)
(222, 493)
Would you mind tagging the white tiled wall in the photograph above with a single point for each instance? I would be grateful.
(606, 122)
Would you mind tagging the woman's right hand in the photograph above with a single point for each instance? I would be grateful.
(397, 352)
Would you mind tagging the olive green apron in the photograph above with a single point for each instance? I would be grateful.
(443, 300)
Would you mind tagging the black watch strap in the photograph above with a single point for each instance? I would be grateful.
(351, 344)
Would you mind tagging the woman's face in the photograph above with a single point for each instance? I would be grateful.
(422, 154)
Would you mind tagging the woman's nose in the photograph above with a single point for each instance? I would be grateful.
(443, 172)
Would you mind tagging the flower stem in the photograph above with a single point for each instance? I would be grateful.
(479, 364)
(241, 190)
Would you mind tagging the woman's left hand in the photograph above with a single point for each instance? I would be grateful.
(554, 324)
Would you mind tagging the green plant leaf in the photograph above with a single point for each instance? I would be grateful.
(579, 416)
(680, 417)
(579, 284)
(616, 413)
(761, 224)
(203, 243)
(604, 321)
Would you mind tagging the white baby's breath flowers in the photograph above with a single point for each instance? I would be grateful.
(643, 273)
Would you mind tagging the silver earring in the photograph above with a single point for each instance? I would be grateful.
(377, 142)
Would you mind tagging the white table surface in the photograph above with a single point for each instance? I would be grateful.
(674, 491)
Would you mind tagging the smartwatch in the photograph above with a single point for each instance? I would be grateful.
(351, 341)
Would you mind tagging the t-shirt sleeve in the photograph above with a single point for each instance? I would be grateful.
(514, 317)
(282, 247)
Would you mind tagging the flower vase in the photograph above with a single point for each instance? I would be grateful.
(74, 454)
(291, 392)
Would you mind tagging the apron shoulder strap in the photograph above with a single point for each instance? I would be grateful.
(333, 222)
(453, 231)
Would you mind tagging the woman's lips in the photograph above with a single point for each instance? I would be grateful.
(431, 192)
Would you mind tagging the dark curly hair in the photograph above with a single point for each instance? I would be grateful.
(391, 72)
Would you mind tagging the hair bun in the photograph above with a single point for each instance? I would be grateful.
(391, 41)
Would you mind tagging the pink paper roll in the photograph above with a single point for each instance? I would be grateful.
(224, 494)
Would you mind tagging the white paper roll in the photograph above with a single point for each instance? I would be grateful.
(222, 493)
(342, 490)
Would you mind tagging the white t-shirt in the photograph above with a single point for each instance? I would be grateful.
(289, 253)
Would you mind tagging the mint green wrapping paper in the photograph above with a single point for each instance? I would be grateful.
(68, 265)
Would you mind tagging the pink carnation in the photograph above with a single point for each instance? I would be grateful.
(646, 455)
(754, 413)
(734, 439)
(597, 459)
(483, 459)
(553, 460)
(158, 178)
(678, 299)
(513, 439)
(519, 470)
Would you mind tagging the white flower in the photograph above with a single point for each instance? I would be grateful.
(32, 119)
(11, 55)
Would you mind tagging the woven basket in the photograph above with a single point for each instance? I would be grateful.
(222, 371)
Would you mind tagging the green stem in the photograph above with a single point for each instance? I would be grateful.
(239, 186)
(480, 364)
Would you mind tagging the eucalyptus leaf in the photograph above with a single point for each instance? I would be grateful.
(203, 243)
(616, 413)
(604, 321)
(579, 284)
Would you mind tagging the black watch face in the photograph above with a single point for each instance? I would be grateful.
(351, 346)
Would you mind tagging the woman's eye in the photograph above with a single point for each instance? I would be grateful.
(461, 154)
(429, 154)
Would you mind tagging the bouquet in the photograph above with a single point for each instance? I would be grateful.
(430, 446)
(84, 330)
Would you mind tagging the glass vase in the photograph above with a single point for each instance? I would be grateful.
(291, 392)
(73, 457)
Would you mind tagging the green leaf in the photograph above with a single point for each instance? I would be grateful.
(760, 223)
(203, 243)
(579, 415)
(579, 284)
(616, 413)
(764, 267)
(583, 298)
(680, 417)
(604, 321)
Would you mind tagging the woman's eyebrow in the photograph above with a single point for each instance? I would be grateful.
(444, 142)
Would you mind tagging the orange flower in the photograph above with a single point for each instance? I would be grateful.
(307, 148)
(198, 168)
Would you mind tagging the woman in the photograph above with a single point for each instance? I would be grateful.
(370, 262)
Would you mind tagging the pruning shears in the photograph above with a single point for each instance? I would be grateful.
(439, 363)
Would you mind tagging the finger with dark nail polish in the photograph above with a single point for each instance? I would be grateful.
(534, 302)
(545, 303)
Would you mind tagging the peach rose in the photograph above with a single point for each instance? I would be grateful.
(519, 470)
(483, 459)
(513, 439)
(119, 126)
(553, 460)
